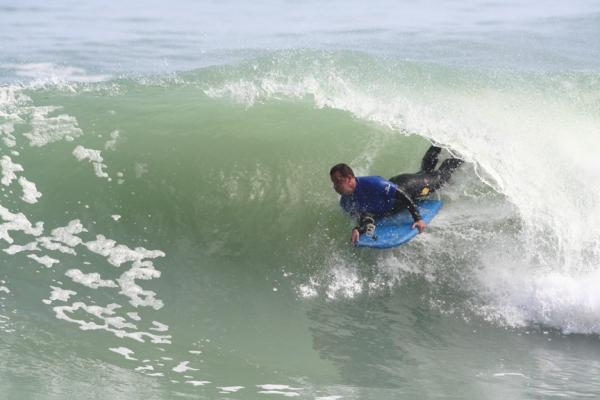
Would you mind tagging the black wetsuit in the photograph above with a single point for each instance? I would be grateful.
(412, 187)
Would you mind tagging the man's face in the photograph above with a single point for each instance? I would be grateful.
(343, 184)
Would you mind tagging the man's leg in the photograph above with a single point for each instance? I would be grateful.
(428, 164)
(413, 184)
(428, 179)
(430, 159)
(401, 179)
(421, 183)
(442, 175)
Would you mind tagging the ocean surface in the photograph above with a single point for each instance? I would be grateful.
(168, 228)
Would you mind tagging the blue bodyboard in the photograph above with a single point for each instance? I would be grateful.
(397, 229)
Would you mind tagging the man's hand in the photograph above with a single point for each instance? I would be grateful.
(420, 224)
(355, 236)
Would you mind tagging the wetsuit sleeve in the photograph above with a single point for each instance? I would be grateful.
(409, 204)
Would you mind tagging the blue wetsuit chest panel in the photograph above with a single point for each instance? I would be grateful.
(373, 194)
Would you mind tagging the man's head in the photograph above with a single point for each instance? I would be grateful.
(343, 179)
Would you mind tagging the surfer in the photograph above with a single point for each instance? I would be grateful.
(368, 197)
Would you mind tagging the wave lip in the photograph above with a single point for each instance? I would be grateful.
(49, 73)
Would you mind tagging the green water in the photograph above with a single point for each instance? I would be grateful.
(224, 174)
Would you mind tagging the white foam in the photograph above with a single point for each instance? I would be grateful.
(8, 170)
(4, 289)
(50, 73)
(93, 156)
(183, 366)
(64, 239)
(145, 368)
(47, 243)
(116, 325)
(338, 278)
(47, 129)
(46, 261)
(91, 280)
(230, 389)
(116, 217)
(159, 327)
(12, 101)
(510, 374)
(119, 254)
(111, 144)
(309, 289)
(17, 108)
(124, 351)
(518, 297)
(284, 390)
(17, 222)
(6, 131)
(15, 248)
(59, 294)
(30, 192)
(271, 386)
(345, 282)
(137, 295)
(67, 234)
(285, 394)
(198, 383)
(244, 92)
(134, 316)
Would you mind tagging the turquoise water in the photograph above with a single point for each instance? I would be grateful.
(169, 229)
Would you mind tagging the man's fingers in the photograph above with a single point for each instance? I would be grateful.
(420, 225)
(354, 238)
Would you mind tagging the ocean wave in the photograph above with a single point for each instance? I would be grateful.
(122, 193)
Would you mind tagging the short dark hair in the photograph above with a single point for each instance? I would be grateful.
(343, 169)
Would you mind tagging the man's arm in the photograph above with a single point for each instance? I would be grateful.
(407, 202)
(366, 224)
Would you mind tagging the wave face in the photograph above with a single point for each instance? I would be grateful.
(183, 227)
(530, 138)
